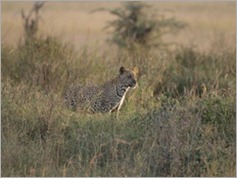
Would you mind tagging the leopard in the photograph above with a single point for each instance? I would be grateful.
(108, 97)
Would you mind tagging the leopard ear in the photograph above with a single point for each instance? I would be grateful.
(121, 70)
(135, 70)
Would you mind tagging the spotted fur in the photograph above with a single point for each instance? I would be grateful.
(106, 98)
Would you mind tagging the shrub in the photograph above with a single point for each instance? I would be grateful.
(135, 26)
(31, 22)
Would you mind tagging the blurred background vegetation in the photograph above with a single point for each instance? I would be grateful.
(181, 119)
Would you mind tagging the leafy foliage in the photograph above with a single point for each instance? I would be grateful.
(135, 26)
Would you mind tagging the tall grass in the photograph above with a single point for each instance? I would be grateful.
(164, 129)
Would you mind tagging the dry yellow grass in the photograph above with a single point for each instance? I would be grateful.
(168, 127)
(208, 21)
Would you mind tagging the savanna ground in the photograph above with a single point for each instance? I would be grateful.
(180, 121)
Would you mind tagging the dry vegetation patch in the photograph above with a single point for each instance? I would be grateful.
(180, 121)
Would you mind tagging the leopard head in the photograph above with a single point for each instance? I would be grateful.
(128, 77)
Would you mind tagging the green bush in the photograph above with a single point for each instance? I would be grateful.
(137, 25)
